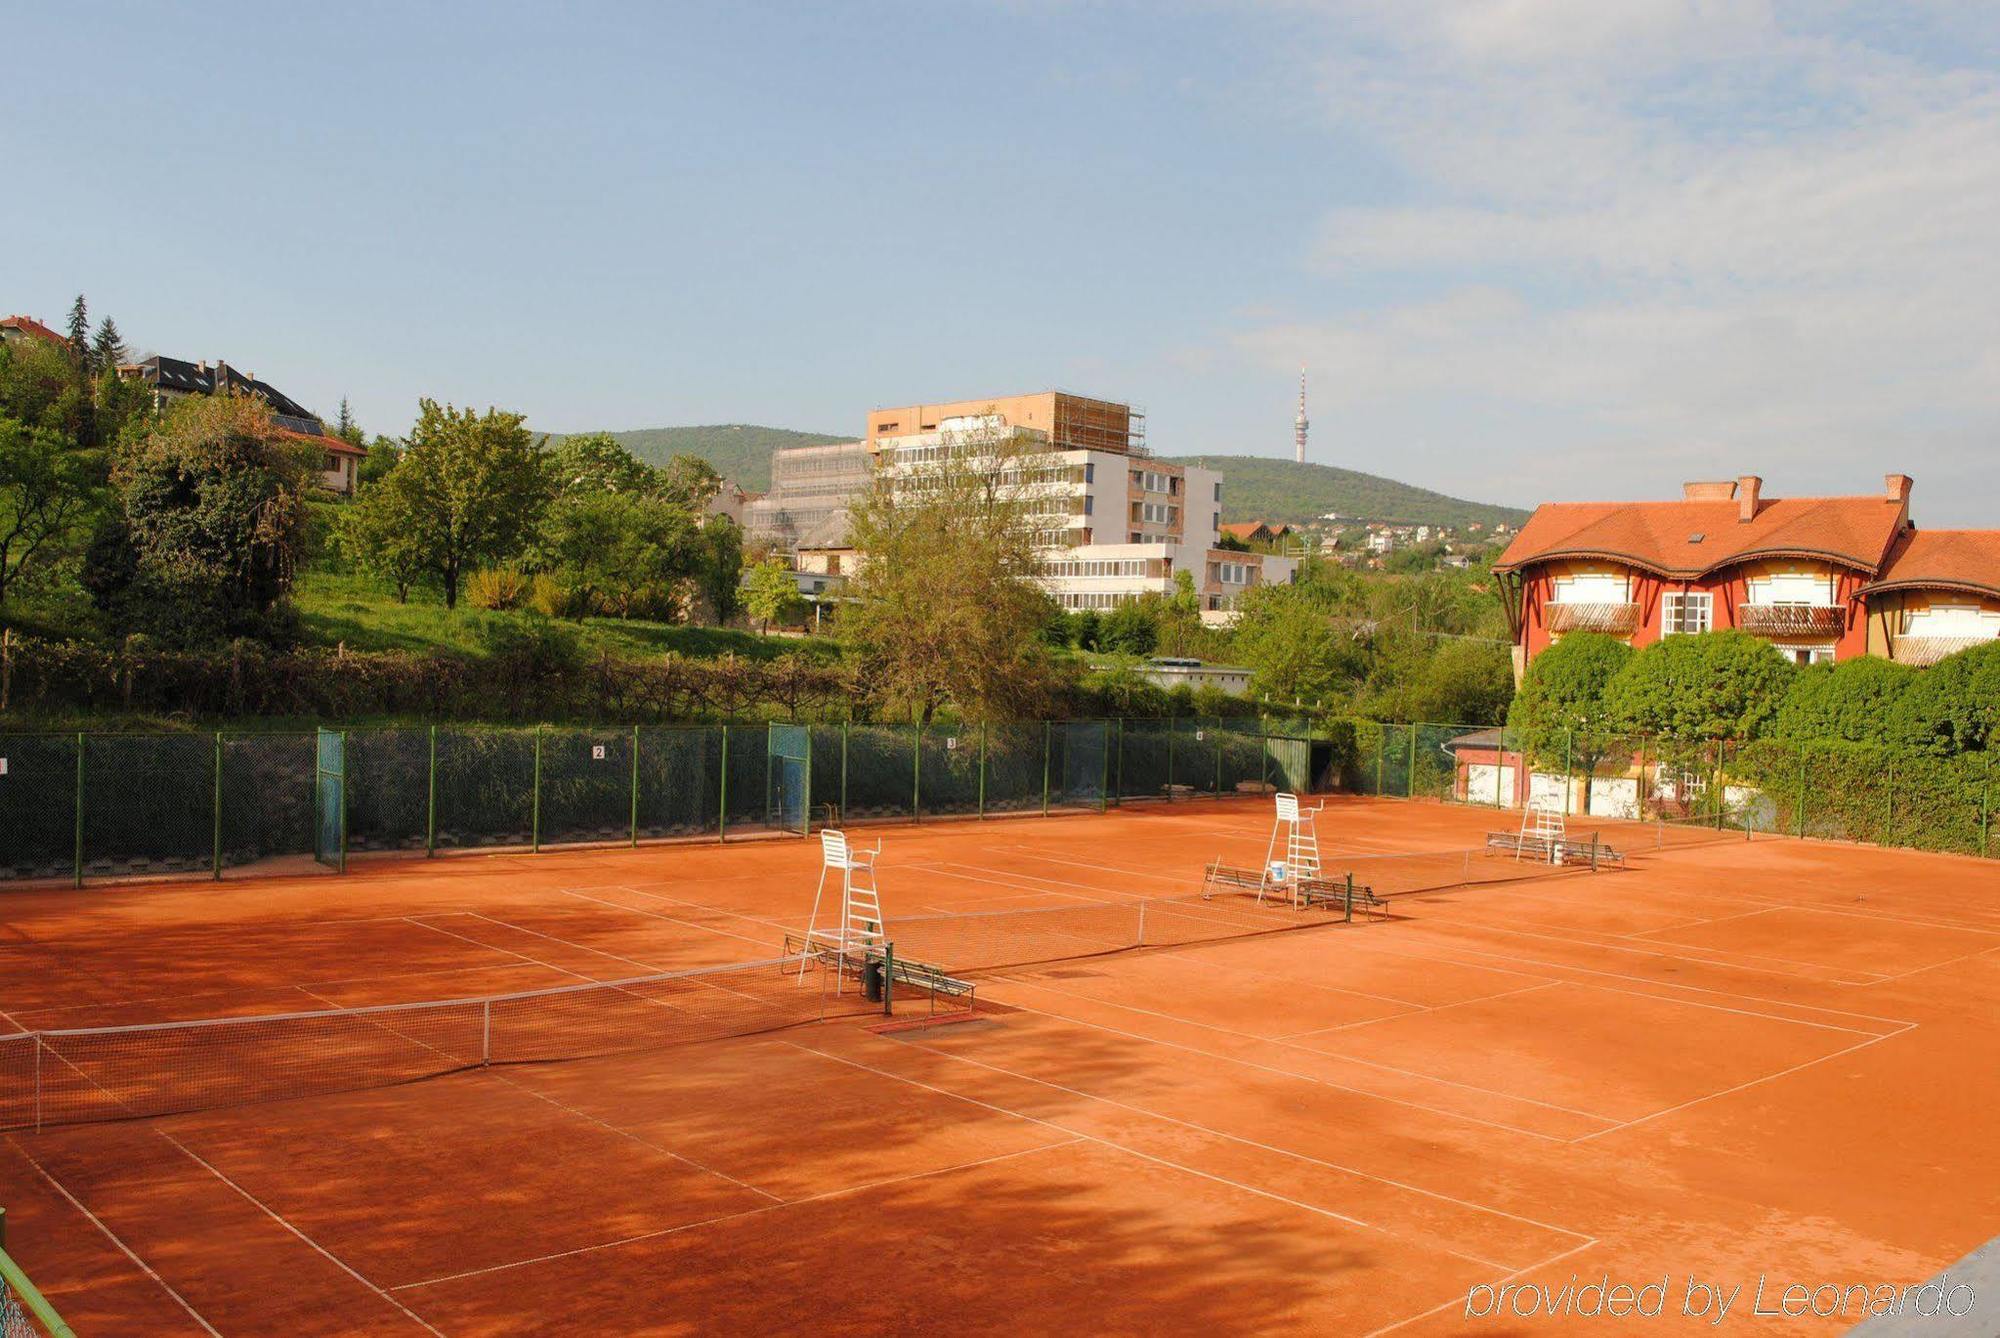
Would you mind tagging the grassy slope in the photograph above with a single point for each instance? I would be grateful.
(365, 615)
(1261, 489)
(739, 451)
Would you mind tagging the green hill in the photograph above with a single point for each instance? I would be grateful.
(1262, 489)
(740, 452)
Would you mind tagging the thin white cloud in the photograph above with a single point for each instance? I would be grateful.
(1668, 230)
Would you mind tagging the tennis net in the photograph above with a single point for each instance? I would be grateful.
(1390, 875)
(115, 1073)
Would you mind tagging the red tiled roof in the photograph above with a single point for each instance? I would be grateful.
(1244, 529)
(336, 445)
(1691, 538)
(1943, 560)
(29, 325)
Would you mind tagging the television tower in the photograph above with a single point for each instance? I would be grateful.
(1299, 424)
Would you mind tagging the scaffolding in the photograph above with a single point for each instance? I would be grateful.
(812, 488)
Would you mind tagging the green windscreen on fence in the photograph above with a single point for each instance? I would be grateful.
(789, 804)
(330, 798)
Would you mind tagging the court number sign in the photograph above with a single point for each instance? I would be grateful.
(597, 752)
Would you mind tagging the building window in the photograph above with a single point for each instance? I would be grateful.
(1686, 613)
(1807, 654)
(1089, 472)
(1218, 496)
(1088, 500)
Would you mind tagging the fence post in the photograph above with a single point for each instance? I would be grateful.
(431, 808)
(216, 840)
(1986, 804)
(1889, 805)
(1217, 721)
(843, 770)
(1104, 800)
(982, 768)
(722, 789)
(917, 775)
(1410, 779)
(1381, 743)
(1569, 765)
(806, 784)
(889, 980)
(535, 807)
(1115, 793)
(635, 787)
(1173, 727)
(1799, 808)
(79, 808)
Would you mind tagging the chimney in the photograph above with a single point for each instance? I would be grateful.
(1896, 488)
(1747, 489)
(221, 377)
(1708, 492)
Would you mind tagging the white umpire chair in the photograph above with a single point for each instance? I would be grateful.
(858, 930)
(1294, 824)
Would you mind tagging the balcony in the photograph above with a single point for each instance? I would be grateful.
(1790, 620)
(1924, 651)
(1610, 619)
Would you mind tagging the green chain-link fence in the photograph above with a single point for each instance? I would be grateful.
(101, 805)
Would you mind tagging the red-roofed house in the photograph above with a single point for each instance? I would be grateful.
(1256, 531)
(1824, 578)
(27, 327)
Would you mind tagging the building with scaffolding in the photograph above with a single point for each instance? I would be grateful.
(811, 489)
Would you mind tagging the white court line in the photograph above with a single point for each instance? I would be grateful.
(651, 967)
(905, 1039)
(736, 1216)
(634, 1137)
(112, 1236)
(1424, 1008)
(277, 1217)
(1950, 961)
(491, 948)
(1631, 980)
(1503, 1278)
(670, 919)
(1769, 1077)
(1304, 1077)
(1607, 943)
(1021, 888)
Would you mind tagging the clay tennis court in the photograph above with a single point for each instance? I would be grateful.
(1729, 1060)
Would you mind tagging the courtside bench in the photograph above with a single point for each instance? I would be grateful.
(1569, 850)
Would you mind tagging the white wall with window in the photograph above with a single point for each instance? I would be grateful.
(1966, 620)
(1593, 587)
(1809, 588)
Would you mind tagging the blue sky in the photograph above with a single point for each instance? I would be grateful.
(1530, 248)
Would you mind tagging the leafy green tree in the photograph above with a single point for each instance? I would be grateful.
(771, 594)
(948, 600)
(47, 493)
(689, 480)
(1701, 689)
(470, 488)
(622, 553)
(1952, 707)
(1853, 701)
(211, 523)
(1286, 634)
(383, 453)
(1461, 680)
(719, 565)
(79, 336)
(1178, 617)
(372, 535)
(596, 462)
(1129, 630)
(1563, 714)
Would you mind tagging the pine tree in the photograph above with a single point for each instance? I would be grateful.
(79, 334)
(347, 429)
(109, 346)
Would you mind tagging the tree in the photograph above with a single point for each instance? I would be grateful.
(1562, 715)
(47, 492)
(596, 462)
(79, 335)
(719, 565)
(948, 602)
(771, 594)
(1129, 630)
(1178, 617)
(373, 536)
(1853, 701)
(1286, 635)
(1701, 689)
(108, 348)
(690, 480)
(346, 428)
(212, 521)
(1953, 706)
(383, 454)
(621, 553)
(469, 489)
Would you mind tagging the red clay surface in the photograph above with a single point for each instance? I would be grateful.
(1733, 1061)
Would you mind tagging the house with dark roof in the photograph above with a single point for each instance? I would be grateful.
(173, 378)
(1822, 578)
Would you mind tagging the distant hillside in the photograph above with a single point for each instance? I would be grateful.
(1260, 489)
(739, 451)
